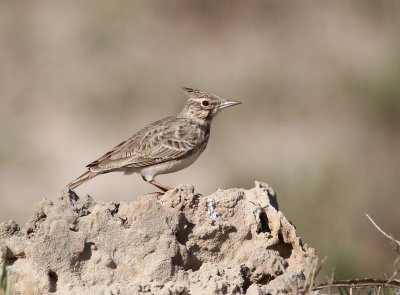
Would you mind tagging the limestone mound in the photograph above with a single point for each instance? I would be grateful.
(234, 241)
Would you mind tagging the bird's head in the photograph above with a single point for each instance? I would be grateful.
(204, 106)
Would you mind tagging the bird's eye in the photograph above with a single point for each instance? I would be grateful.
(205, 103)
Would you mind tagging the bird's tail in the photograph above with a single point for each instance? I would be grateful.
(81, 179)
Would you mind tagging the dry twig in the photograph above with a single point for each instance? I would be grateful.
(397, 248)
(382, 232)
(359, 283)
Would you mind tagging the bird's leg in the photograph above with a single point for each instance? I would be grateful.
(161, 186)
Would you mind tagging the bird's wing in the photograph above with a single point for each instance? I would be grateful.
(164, 140)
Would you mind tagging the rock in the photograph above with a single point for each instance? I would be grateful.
(234, 241)
(8, 228)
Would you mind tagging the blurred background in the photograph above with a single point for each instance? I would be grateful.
(320, 119)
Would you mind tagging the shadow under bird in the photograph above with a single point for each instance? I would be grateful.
(165, 146)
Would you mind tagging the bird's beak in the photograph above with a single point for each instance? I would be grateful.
(228, 103)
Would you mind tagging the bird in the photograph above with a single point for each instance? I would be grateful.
(165, 146)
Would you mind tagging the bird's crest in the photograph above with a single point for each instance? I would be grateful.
(196, 93)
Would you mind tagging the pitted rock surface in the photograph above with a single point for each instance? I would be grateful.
(234, 241)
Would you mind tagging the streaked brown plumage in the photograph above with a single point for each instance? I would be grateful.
(165, 146)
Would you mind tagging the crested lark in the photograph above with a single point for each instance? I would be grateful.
(165, 146)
